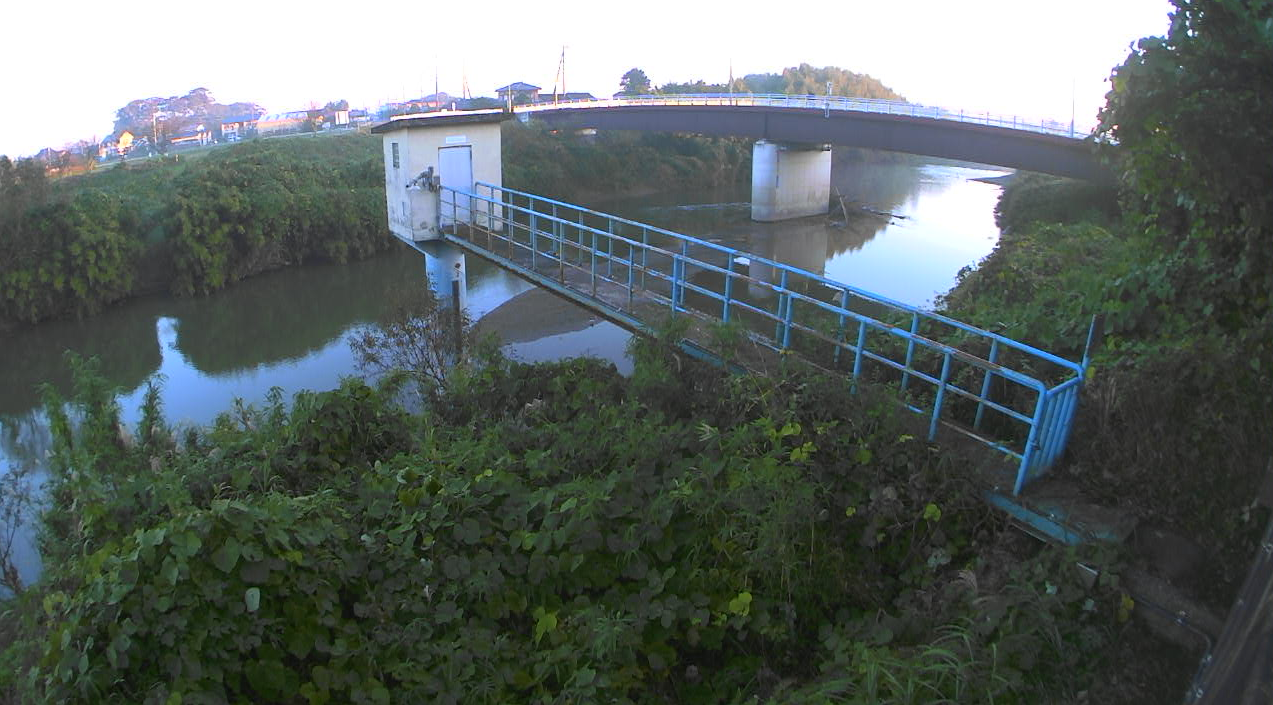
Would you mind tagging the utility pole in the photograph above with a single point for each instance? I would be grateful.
(1071, 106)
(561, 75)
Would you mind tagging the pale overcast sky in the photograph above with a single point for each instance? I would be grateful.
(67, 66)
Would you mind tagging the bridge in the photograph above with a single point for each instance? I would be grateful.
(791, 160)
(1000, 140)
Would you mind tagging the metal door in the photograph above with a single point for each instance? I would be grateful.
(455, 166)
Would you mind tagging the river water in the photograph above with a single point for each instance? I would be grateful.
(910, 228)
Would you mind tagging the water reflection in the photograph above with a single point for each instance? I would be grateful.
(904, 230)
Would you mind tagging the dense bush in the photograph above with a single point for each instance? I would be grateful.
(192, 226)
(259, 208)
(68, 258)
(545, 533)
(1036, 198)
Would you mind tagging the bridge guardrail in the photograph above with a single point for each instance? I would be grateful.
(999, 392)
(828, 103)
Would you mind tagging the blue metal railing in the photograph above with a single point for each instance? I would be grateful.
(999, 399)
(828, 103)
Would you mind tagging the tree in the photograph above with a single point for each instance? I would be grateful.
(634, 82)
(1190, 112)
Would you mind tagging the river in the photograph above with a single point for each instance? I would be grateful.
(911, 227)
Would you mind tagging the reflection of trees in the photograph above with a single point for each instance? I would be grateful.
(122, 338)
(883, 186)
(25, 438)
(288, 314)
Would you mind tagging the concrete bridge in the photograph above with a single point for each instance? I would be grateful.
(791, 161)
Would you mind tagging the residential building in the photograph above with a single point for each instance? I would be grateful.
(237, 127)
(520, 93)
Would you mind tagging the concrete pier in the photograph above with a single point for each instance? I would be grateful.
(789, 180)
(443, 264)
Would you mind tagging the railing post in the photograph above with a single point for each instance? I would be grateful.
(610, 251)
(985, 385)
(783, 301)
(1027, 457)
(839, 335)
(676, 278)
(729, 287)
(857, 354)
(631, 261)
(685, 255)
(594, 262)
(786, 322)
(645, 250)
(910, 350)
(534, 239)
(941, 396)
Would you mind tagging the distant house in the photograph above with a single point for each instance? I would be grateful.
(53, 159)
(359, 117)
(563, 97)
(237, 127)
(120, 145)
(423, 104)
(275, 123)
(520, 93)
(192, 136)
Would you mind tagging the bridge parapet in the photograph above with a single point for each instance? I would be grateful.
(829, 103)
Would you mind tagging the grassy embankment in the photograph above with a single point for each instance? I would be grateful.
(195, 225)
(1174, 422)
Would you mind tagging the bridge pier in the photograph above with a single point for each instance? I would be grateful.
(789, 180)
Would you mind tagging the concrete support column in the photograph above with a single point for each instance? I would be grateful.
(789, 180)
(443, 264)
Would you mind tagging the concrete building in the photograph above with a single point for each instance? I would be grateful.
(425, 154)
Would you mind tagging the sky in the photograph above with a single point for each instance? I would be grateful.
(68, 66)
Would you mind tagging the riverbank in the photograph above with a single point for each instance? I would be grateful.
(1162, 400)
(196, 226)
(679, 534)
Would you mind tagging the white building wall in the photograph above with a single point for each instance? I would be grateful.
(413, 212)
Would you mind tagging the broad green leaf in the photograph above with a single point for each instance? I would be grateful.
(252, 598)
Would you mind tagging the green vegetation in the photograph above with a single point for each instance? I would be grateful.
(795, 80)
(71, 247)
(540, 534)
(1175, 421)
(578, 169)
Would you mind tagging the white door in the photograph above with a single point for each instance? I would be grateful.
(455, 167)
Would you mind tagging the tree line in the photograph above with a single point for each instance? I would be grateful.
(795, 80)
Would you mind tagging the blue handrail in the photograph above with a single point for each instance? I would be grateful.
(532, 235)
